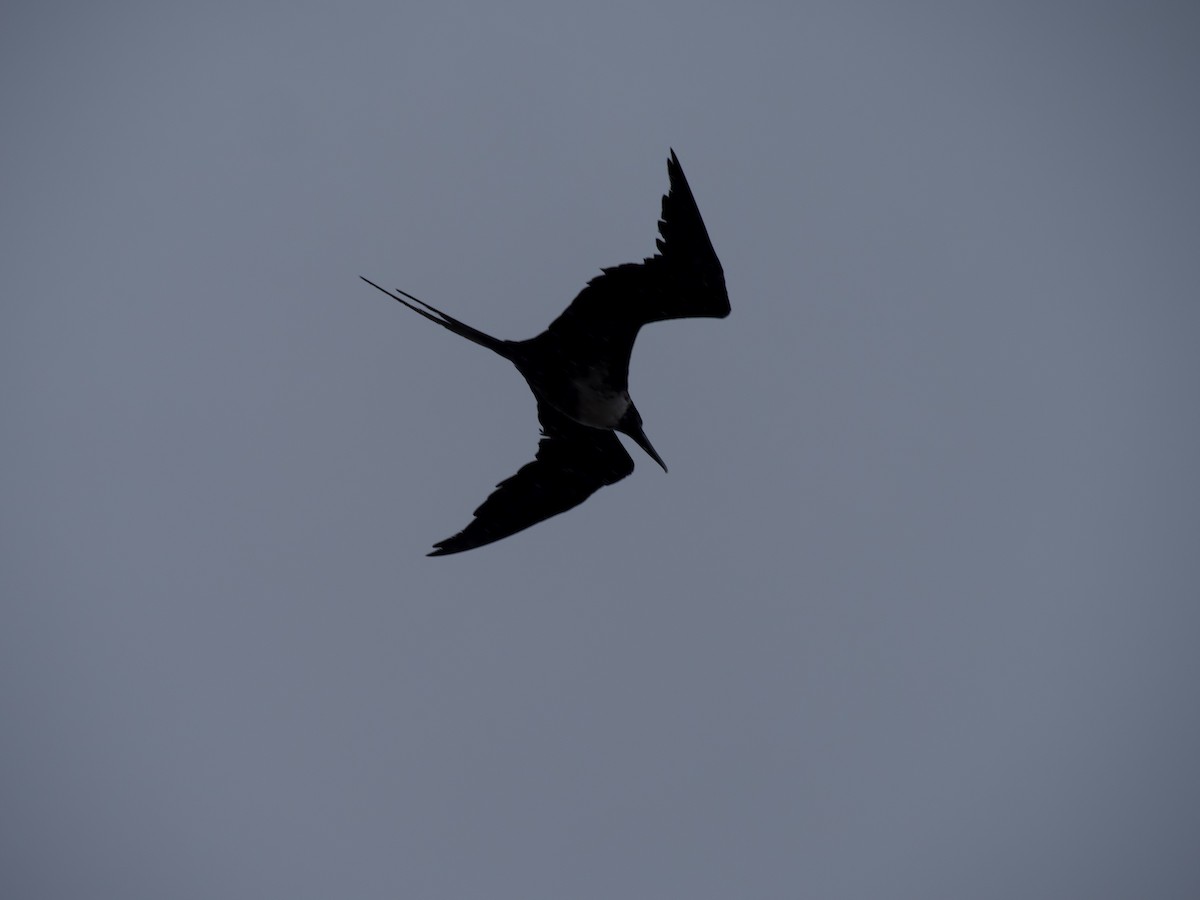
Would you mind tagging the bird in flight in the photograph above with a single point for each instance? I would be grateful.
(578, 370)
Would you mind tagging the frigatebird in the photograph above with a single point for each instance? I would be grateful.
(578, 370)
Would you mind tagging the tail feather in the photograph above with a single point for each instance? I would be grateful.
(444, 319)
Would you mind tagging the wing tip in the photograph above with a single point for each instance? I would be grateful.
(450, 545)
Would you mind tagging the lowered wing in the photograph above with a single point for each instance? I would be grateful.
(573, 462)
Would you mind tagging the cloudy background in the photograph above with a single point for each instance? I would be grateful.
(916, 612)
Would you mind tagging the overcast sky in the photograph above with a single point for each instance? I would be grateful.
(915, 614)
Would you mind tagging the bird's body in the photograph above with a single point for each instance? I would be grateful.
(578, 370)
(597, 402)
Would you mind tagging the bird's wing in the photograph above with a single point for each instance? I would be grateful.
(684, 279)
(573, 462)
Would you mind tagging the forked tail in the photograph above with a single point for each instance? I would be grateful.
(446, 321)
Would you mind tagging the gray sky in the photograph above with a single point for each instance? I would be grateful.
(914, 613)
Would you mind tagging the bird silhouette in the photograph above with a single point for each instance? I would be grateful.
(578, 370)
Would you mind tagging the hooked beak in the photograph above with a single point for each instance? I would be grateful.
(644, 442)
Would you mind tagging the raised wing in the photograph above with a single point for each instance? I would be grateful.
(683, 280)
(687, 248)
(573, 462)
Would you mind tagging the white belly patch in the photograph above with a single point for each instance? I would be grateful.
(598, 407)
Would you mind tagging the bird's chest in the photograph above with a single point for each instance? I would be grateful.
(596, 402)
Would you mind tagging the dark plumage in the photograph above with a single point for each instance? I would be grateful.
(578, 369)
